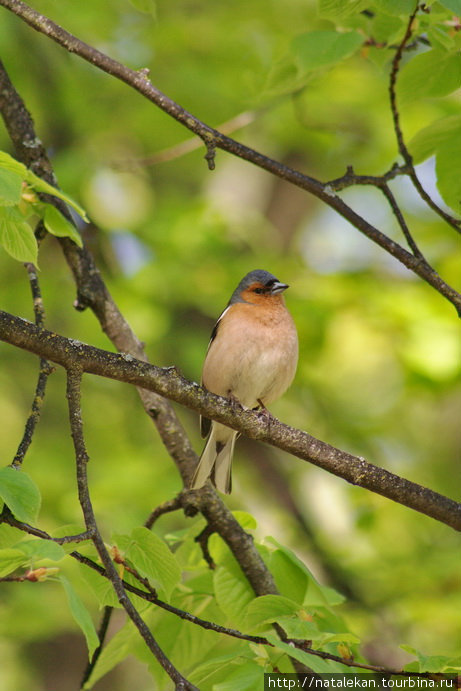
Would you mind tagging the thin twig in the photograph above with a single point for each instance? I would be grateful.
(45, 369)
(187, 146)
(74, 376)
(451, 220)
(202, 540)
(167, 507)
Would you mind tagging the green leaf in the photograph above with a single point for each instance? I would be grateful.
(246, 677)
(10, 188)
(101, 587)
(395, 7)
(434, 664)
(233, 592)
(10, 560)
(452, 5)
(9, 535)
(290, 576)
(268, 608)
(17, 236)
(245, 519)
(116, 650)
(339, 9)
(316, 49)
(41, 186)
(7, 162)
(56, 224)
(41, 549)
(448, 171)
(151, 558)
(432, 74)
(295, 627)
(427, 140)
(81, 616)
(20, 494)
(315, 663)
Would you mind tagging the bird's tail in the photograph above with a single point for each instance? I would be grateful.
(216, 460)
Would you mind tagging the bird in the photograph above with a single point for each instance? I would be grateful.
(251, 358)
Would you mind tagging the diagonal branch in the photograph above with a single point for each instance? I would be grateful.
(74, 376)
(167, 382)
(213, 139)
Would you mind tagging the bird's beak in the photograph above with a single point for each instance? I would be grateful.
(278, 288)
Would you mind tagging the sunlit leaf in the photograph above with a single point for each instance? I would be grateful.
(16, 235)
(81, 616)
(434, 73)
(321, 48)
(10, 187)
(10, 560)
(56, 224)
(20, 494)
(152, 558)
(41, 549)
(448, 171)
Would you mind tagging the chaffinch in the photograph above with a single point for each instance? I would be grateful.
(251, 358)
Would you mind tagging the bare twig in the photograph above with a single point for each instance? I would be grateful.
(45, 369)
(74, 376)
(187, 146)
(214, 139)
(202, 540)
(167, 507)
(169, 383)
(451, 220)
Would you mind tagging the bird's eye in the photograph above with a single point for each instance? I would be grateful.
(259, 291)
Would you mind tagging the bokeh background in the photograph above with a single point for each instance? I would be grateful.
(379, 350)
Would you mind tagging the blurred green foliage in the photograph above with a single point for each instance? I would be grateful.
(379, 350)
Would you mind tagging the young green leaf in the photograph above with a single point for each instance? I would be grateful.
(7, 162)
(41, 186)
(426, 142)
(20, 494)
(10, 188)
(81, 616)
(152, 558)
(41, 549)
(316, 49)
(268, 608)
(10, 560)
(17, 236)
(339, 9)
(432, 74)
(233, 593)
(56, 224)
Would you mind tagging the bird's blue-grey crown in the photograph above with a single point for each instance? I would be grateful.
(268, 280)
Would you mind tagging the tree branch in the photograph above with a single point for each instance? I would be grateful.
(169, 383)
(214, 139)
(74, 376)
